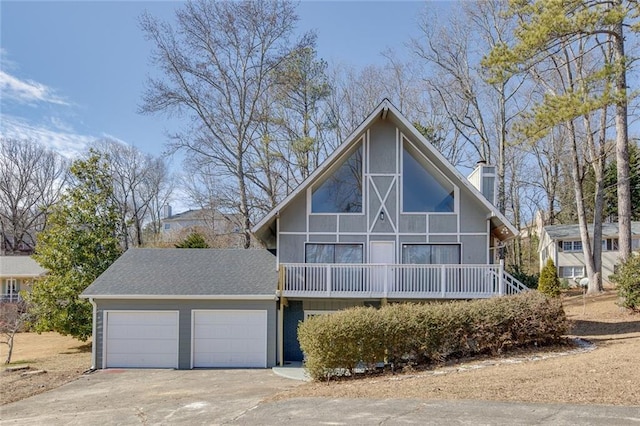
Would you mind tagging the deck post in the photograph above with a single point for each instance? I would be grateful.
(443, 279)
(501, 278)
(328, 270)
(385, 290)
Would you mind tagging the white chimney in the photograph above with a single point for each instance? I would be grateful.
(166, 211)
(483, 178)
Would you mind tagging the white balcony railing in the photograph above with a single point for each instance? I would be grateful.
(10, 298)
(397, 281)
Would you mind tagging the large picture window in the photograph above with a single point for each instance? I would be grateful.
(431, 254)
(342, 191)
(423, 187)
(333, 253)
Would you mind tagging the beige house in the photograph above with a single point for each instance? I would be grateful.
(17, 273)
(563, 244)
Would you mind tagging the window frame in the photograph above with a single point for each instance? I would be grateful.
(331, 171)
(404, 245)
(413, 151)
(308, 243)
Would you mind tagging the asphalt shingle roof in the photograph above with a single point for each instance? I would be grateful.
(20, 266)
(186, 272)
(559, 232)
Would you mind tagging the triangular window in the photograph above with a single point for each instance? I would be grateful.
(341, 192)
(424, 189)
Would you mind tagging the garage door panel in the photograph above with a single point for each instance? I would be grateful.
(224, 338)
(146, 339)
(142, 331)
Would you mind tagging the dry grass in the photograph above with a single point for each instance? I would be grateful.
(63, 358)
(608, 374)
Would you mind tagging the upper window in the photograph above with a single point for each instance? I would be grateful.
(431, 254)
(333, 253)
(423, 187)
(342, 191)
(572, 246)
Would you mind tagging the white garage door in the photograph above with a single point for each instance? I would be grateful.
(230, 338)
(143, 339)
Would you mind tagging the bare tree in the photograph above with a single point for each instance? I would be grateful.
(480, 109)
(31, 181)
(218, 63)
(139, 181)
(13, 316)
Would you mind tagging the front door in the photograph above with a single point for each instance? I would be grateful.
(381, 255)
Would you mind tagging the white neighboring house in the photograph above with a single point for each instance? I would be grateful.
(205, 221)
(562, 243)
(17, 273)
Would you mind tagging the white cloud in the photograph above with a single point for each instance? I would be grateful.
(64, 141)
(27, 91)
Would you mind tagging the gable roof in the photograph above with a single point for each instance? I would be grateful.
(386, 110)
(188, 273)
(19, 267)
(609, 230)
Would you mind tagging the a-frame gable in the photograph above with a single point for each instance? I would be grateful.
(384, 111)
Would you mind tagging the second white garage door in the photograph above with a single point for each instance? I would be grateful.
(229, 338)
(141, 339)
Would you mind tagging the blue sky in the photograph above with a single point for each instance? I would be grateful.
(73, 72)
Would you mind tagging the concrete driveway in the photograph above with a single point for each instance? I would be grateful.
(150, 397)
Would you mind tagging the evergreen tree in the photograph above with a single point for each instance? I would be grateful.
(194, 240)
(79, 243)
(549, 283)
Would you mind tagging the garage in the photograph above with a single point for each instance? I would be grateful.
(229, 338)
(141, 339)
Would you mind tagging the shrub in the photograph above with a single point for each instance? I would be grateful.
(420, 334)
(530, 280)
(549, 284)
(627, 280)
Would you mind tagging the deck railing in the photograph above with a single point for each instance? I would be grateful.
(397, 281)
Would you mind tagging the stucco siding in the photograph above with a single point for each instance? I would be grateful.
(439, 223)
(323, 223)
(291, 249)
(184, 308)
(473, 216)
(293, 218)
(382, 146)
(414, 223)
(474, 249)
(353, 223)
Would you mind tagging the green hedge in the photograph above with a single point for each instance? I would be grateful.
(420, 334)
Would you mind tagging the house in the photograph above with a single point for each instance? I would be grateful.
(386, 218)
(17, 273)
(208, 222)
(562, 243)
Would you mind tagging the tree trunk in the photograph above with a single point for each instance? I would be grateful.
(622, 145)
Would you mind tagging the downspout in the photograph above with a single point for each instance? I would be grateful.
(93, 333)
(281, 317)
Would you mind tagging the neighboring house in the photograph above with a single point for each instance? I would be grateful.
(198, 219)
(385, 218)
(17, 273)
(562, 243)
(208, 222)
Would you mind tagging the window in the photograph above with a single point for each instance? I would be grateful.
(571, 271)
(572, 245)
(342, 191)
(611, 244)
(430, 254)
(424, 189)
(635, 244)
(333, 253)
(167, 226)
